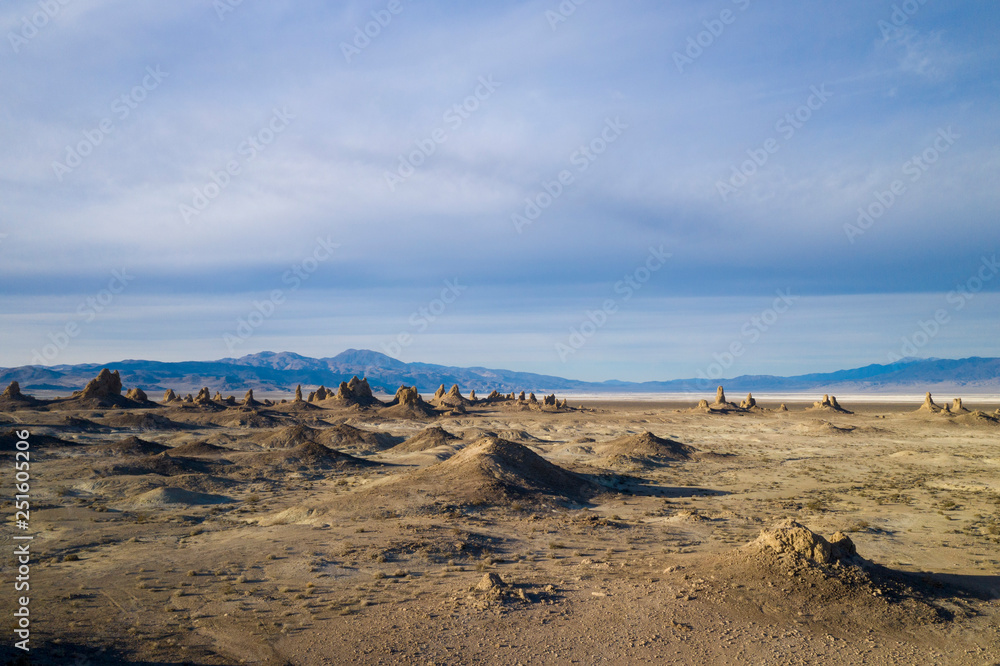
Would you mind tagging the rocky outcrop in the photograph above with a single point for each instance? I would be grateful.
(829, 404)
(104, 390)
(356, 392)
(12, 398)
(929, 405)
(453, 399)
(169, 396)
(137, 394)
(248, 400)
(748, 402)
(106, 385)
(720, 406)
(472, 395)
(298, 393)
(320, 394)
(793, 540)
(12, 392)
(408, 405)
(439, 393)
(204, 396)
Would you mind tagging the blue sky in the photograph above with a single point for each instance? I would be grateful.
(617, 191)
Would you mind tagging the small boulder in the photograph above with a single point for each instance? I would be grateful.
(489, 581)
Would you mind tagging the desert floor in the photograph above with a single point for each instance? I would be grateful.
(258, 543)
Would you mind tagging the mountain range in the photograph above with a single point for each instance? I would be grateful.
(282, 371)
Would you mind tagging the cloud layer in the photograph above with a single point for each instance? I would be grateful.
(532, 152)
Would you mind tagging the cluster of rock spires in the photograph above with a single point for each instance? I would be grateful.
(955, 409)
(829, 403)
(105, 391)
(749, 404)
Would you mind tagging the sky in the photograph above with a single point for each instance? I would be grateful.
(598, 190)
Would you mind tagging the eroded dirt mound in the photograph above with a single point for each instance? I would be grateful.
(130, 446)
(9, 439)
(199, 449)
(304, 457)
(428, 438)
(248, 418)
(289, 436)
(791, 572)
(344, 436)
(495, 471)
(161, 465)
(647, 445)
(171, 496)
(142, 421)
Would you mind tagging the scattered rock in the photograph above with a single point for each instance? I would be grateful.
(792, 539)
(489, 581)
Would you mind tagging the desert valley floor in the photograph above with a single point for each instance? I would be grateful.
(505, 531)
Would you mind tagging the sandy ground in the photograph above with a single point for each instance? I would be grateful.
(264, 551)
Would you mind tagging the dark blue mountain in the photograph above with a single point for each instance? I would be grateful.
(271, 371)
